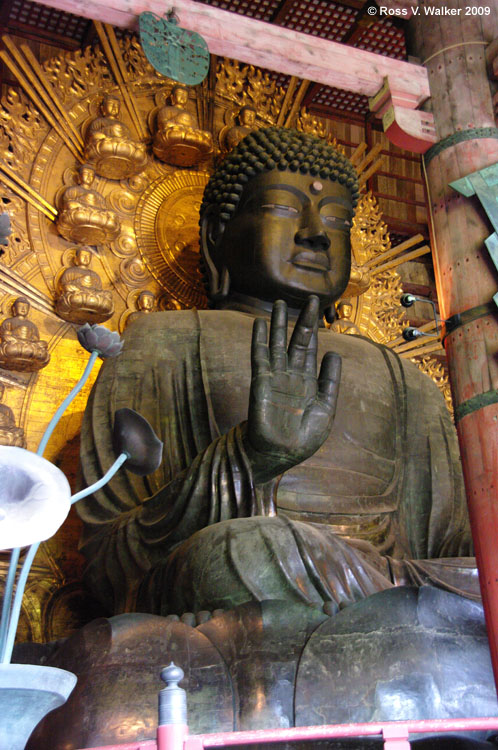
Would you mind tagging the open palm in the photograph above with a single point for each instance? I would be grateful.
(290, 410)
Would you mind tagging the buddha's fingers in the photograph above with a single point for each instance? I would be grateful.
(329, 380)
(260, 356)
(278, 337)
(303, 345)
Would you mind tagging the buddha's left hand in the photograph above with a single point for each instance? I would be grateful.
(291, 410)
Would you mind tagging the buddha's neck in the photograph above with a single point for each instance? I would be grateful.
(252, 305)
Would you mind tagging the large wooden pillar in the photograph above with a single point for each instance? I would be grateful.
(453, 51)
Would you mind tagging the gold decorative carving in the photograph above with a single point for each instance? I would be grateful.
(245, 84)
(10, 434)
(167, 231)
(84, 214)
(177, 140)
(377, 312)
(109, 146)
(81, 298)
(20, 345)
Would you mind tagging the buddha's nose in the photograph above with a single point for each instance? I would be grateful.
(312, 235)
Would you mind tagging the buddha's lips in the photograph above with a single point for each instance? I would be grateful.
(317, 261)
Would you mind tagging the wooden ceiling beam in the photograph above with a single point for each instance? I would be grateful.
(268, 46)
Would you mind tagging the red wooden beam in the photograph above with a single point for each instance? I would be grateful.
(268, 46)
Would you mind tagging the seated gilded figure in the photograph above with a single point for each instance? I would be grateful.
(20, 345)
(84, 216)
(109, 145)
(310, 488)
(343, 322)
(81, 298)
(246, 124)
(177, 140)
(146, 303)
(10, 434)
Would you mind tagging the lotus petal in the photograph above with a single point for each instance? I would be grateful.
(35, 498)
(95, 338)
(133, 435)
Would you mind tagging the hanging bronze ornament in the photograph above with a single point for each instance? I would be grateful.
(175, 52)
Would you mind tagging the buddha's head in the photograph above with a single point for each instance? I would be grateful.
(146, 301)
(86, 174)
(179, 96)
(20, 307)
(344, 310)
(276, 219)
(247, 116)
(83, 256)
(110, 106)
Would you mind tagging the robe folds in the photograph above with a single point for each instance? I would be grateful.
(381, 502)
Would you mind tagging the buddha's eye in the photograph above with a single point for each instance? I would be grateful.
(281, 209)
(334, 222)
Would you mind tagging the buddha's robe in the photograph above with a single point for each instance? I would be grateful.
(376, 505)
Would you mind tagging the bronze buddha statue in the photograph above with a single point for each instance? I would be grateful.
(84, 216)
(275, 223)
(320, 519)
(177, 140)
(20, 345)
(10, 434)
(81, 298)
(109, 146)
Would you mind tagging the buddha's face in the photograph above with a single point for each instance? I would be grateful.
(110, 107)
(86, 175)
(179, 96)
(21, 308)
(289, 238)
(248, 117)
(146, 302)
(83, 257)
(345, 310)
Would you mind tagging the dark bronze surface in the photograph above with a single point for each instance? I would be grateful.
(263, 493)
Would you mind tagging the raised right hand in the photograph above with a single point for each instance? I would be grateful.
(291, 410)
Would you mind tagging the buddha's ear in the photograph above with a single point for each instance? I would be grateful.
(212, 228)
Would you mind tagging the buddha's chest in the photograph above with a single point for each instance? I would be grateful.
(359, 457)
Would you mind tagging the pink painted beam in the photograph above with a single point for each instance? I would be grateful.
(396, 729)
(268, 46)
(391, 731)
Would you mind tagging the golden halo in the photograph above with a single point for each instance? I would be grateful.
(167, 232)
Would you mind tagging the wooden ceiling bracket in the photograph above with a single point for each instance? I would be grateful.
(404, 125)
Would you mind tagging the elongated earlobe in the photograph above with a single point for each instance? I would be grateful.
(212, 229)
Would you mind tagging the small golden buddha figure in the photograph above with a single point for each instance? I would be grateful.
(20, 345)
(84, 214)
(81, 297)
(9, 433)
(247, 123)
(146, 303)
(110, 147)
(343, 322)
(177, 141)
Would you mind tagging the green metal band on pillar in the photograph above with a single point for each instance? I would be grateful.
(459, 137)
(475, 403)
